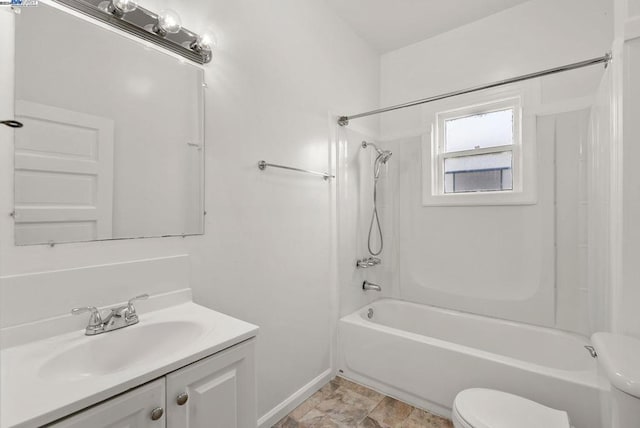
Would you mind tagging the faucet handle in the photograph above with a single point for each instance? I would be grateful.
(95, 320)
(131, 308)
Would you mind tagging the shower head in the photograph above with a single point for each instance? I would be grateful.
(383, 155)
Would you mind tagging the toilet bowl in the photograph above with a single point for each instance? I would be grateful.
(488, 408)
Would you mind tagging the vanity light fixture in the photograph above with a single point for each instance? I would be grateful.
(168, 23)
(120, 7)
(163, 29)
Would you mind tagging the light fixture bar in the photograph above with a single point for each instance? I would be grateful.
(140, 23)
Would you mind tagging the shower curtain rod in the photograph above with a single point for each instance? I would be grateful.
(344, 120)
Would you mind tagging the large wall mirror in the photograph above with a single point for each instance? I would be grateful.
(113, 140)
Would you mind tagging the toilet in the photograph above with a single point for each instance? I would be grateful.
(488, 408)
(619, 366)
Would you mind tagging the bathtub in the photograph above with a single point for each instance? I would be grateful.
(425, 355)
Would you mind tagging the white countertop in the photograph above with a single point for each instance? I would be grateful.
(31, 399)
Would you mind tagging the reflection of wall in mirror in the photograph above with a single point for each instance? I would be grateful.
(153, 99)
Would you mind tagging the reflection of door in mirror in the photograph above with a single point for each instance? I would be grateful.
(63, 175)
(113, 140)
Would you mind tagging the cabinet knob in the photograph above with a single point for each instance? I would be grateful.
(157, 413)
(182, 398)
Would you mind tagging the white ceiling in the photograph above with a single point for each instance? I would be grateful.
(391, 24)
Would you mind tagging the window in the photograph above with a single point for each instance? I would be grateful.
(480, 152)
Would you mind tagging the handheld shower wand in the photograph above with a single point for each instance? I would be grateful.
(381, 159)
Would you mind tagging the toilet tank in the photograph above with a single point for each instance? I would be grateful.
(619, 371)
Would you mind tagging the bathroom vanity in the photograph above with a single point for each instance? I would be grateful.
(182, 365)
(114, 149)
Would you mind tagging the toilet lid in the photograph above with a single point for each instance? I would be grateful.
(488, 408)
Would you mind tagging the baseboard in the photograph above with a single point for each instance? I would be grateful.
(283, 409)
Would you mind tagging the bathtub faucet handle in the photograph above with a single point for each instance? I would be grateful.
(368, 262)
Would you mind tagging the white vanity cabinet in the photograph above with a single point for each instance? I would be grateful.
(132, 409)
(215, 392)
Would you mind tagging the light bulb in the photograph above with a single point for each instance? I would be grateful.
(168, 22)
(125, 6)
(207, 40)
(204, 44)
(120, 7)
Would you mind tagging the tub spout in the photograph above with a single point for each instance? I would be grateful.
(366, 285)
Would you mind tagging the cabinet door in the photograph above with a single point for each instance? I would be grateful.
(130, 410)
(220, 391)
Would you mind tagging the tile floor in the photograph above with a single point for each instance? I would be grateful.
(344, 404)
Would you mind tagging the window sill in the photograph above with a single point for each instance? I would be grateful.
(479, 199)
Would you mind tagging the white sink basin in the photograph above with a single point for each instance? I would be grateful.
(117, 350)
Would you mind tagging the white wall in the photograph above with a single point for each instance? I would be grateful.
(599, 209)
(572, 204)
(629, 315)
(280, 68)
(530, 37)
(504, 45)
(626, 199)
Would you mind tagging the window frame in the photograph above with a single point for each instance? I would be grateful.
(523, 148)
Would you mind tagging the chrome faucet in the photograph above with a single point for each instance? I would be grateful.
(366, 285)
(115, 318)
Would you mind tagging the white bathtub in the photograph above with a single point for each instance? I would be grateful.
(426, 355)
